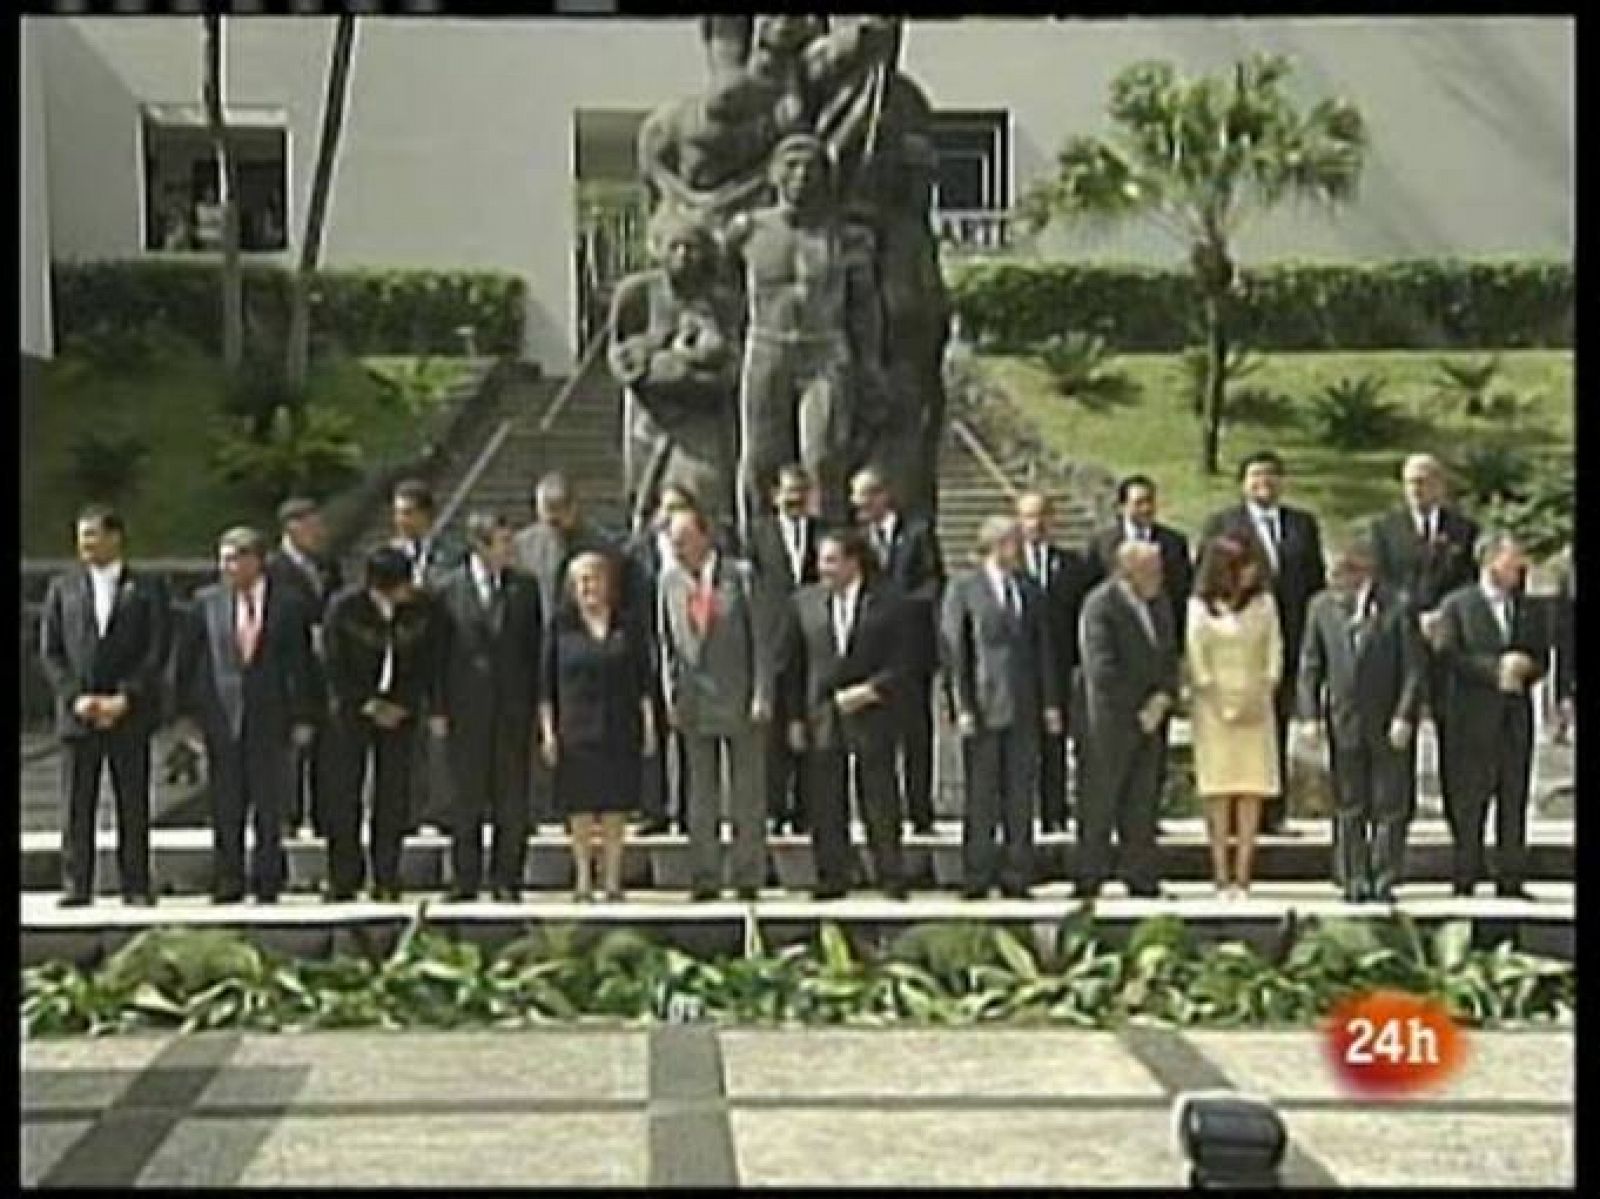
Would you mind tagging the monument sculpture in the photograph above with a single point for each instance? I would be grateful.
(674, 345)
(808, 159)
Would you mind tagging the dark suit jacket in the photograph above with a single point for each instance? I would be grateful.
(313, 594)
(1301, 570)
(1002, 666)
(1122, 667)
(770, 557)
(544, 553)
(356, 637)
(1566, 619)
(1177, 572)
(278, 688)
(443, 552)
(131, 658)
(1470, 645)
(916, 570)
(1069, 576)
(811, 668)
(1424, 574)
(490, 660)
(1359, 690)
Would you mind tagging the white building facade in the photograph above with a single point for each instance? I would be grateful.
(464, 139)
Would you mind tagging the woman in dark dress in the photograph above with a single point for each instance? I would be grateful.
(596, 718)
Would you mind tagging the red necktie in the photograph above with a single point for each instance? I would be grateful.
(249, 628)
(702, 608)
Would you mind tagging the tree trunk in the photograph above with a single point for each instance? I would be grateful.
(333, 109)
(1216, 386)
(227, 195)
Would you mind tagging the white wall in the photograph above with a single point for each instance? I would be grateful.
(34, 280)
(458, 146)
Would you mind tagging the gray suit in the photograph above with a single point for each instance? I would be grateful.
(1491, 732)
(1359, 675)
(1002, 666)
(710, 683)
(1122, 668)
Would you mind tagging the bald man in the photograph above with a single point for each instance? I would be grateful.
(1424, 551)
(1129, 654)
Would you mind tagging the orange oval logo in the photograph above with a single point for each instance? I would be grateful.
(1394, 1043)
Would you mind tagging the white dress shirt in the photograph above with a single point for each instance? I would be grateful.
(794, 543)
(883, 537)
(484, 578)
(1426, 522)
(105, 579)
(1004, 588)
(843, 609)
(386, 674)
(1039, 561)
(1500, 605)
(1269, 526)
(1133, 532)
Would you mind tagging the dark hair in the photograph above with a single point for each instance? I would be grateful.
(1261, 458)
(296, 508)
(414, 491)
(1126, 485)
(107, 517)
(482, 526)
(388, 567)
(853, 544)
(1219, 579)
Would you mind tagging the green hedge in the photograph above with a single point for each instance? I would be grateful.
(362, 311)
(1428, 304)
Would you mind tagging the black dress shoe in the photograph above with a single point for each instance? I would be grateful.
(974, 892)
(1461, 890)
(1052, 826)
(749, 894)
(1514, 891)
(1086, 891)
(828, 893)
(705, 894)
(654, 828)
(897, 892)
(332, 896)
(507, 895)
(1152, 892)
(227, 897)
(73, 901)
(461, 895)
(268, 899)
(1016, 893)
(139, 899)
(923, 828)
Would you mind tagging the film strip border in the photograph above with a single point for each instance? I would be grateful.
(333, 8)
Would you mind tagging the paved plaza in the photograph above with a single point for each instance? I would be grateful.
(692, 1105)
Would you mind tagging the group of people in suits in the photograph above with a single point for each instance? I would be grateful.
(688, 674)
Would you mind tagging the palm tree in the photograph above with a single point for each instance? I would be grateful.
(1199, 159)
(227, 195)
(299, 348)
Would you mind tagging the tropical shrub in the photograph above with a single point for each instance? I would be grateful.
(1352, 414)
(311, 451)
(944, 974)
(1494, 471)
(1079, 364)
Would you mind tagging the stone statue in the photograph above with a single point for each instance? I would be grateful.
(812, 382)
(675, 348)
(916, 312)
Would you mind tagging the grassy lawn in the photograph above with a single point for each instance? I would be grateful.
(178, 503)
(1157, 434)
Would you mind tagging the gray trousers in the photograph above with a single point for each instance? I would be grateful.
(1121, 793)
(1002, 775)
(746, 792)
(1372, 793)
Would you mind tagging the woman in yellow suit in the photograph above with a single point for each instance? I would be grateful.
(1235, 658)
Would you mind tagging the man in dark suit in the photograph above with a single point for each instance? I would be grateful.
(245, 671)
(491, 629)
(1361, 673)
(1424, 552)
(1495, 650)
(383, 674)
(908, 556)
(1290, 542)
(433, 553)
(1064, 577)
(717, 667)
(1564, 652)
(103, 643)
(1129, 655)
(783, 553)
(1001, 661)
(1137, 512)
(301, 564)
(841, 665)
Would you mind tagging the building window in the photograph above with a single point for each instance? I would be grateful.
(974, 152)
(182, 192)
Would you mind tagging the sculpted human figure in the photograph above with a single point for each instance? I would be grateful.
(814, 335)
(674, 347)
